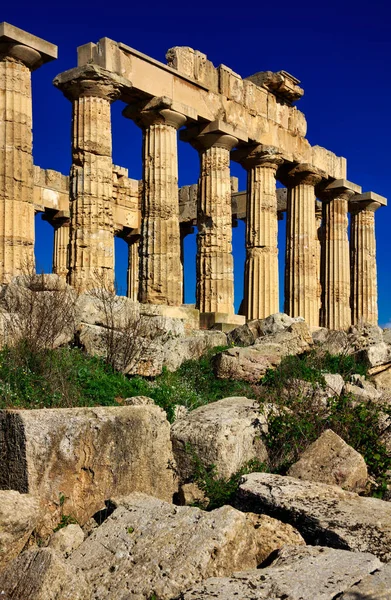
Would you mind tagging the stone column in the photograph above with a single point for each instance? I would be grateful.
(133, 268)
(92, 90)
(319, 235)
(61, 247)
(336, 313)
(215, 278)
(20, 53)
(261, 297)
(363, 258)
(301, 271)
(160, 255)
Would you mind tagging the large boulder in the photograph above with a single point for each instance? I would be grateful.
(331, 460)
(227, 434)
(375, 586)
(19, 515)
(333, 342)
(381, 377)
(361, 389)
(40, 574)
(324, 514)
(378, 354)
(247, 334)
(67, 539)
(151, 548)
(75, 459)
(297, 573)
(250, 364)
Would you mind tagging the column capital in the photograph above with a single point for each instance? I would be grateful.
(90, 80)
(19, 46)
(302, 173)
(217, 134)
(260, 154)
(159, 110)
(367, 201)
(339, 189)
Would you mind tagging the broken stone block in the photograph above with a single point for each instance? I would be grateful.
(75, 459)
(19, 515)
(226, 433)
(331, 460)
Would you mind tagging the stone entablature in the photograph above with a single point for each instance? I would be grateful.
(330, 276)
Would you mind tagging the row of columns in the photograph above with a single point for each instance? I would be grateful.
(348, 274)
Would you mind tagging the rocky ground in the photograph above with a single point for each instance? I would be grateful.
(115, 502)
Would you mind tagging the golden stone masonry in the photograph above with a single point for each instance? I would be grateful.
(330, 275)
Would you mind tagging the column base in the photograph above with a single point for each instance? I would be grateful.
(221, 321)
(186, 312)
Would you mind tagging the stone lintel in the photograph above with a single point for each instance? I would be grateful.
(344, 185)
(90, 80)
(370, 197)
(14, 35)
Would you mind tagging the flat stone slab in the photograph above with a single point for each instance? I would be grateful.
(298, 573)
(148, 548)
(323, 514)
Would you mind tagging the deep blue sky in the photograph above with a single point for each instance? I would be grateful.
(341, 52)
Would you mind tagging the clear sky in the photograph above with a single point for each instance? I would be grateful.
(341, 52)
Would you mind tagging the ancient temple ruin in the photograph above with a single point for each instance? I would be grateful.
(330, 274)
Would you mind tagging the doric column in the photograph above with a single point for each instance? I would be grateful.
(61, 247)
(133, 268)
(92, 90)
(319, 235)
(215, 279)
(363, 257)
(20, 53)
(160, 254)
(301, 272)
(261, 297)
(335, 312)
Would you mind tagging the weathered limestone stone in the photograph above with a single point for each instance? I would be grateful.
(336, 311)
(331, 460)
(379, 354)
(250, 364)
(75, 459)
(363, 257)
(160, 265)
(323, 514)
(301, 285)
(226, 433)
(148, 547)
(272, 535)
(91, 90)
(66, 540)
(20, 53)
(19, 515)
(334, 342)
(382, 378)
(261, 270)
(362, 389)
(190, 494)
(296, 574)
(375, 586)
(42, 575)
(215, 291)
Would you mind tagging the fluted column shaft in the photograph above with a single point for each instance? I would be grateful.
(319, 237)
(16, 169)
(363, 263)
(61, 249)
(261, 296)
(160, 255)
(336, 312)
(301, 274)
(215, 279)
(91, 255)
(133, 269)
